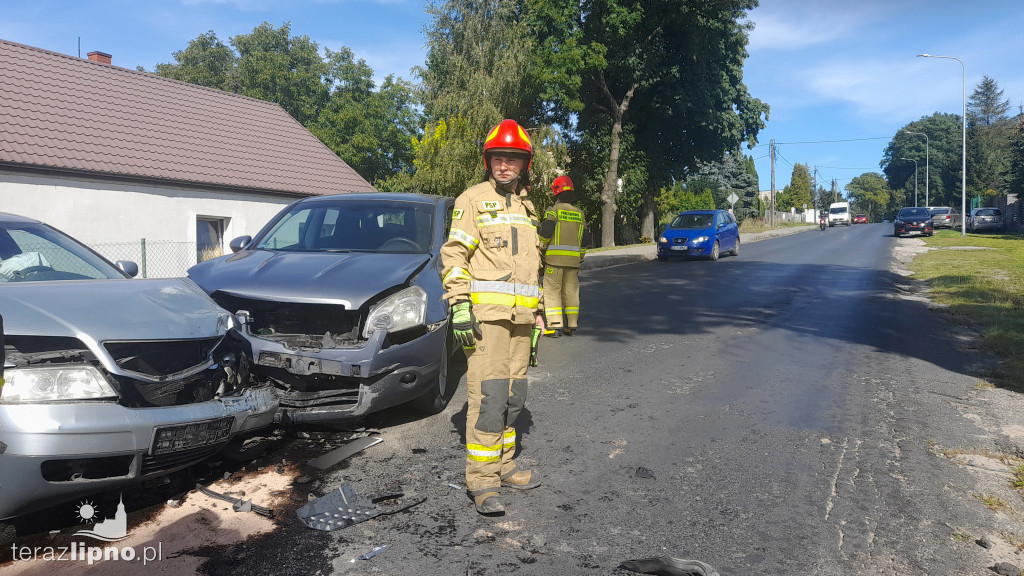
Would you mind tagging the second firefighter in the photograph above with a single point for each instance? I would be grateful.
(564, 239)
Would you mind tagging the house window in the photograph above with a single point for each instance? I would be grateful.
(209, 238)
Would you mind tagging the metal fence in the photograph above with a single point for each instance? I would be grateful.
(157, 259)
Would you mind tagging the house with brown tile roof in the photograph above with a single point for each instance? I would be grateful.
(112, 155)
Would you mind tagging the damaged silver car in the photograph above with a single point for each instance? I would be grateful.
(342, 304)
(109, 380)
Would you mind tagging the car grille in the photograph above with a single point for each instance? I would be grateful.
(297, 326)
(199, 387)
(160, 358)
(175, 460)
(679, 240)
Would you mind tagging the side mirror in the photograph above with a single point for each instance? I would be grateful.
(239, 243)
(128, 267)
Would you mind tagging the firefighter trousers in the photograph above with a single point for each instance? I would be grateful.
(496, 382)
(561, 296)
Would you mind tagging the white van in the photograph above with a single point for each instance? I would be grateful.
(839, 213)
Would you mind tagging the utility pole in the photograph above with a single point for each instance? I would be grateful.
(771, 203)
(814, 188)
(835, 191)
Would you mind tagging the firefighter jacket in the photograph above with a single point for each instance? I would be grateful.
(492, 256)
(563, 236)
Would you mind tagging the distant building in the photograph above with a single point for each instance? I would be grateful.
(112, 155)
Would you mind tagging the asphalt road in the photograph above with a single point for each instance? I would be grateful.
(772, 413)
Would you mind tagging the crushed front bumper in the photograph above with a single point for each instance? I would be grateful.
(345, 383)
(56, 452)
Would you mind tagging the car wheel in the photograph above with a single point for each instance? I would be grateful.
(736, 248)
(714, 251)
(440, 392)
(662, 258)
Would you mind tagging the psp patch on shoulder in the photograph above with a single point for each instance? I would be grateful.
(491, 205)
(457, 214)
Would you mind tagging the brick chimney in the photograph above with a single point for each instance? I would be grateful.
(101, 57)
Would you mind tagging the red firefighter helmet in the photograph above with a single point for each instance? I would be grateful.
(508, 137)
(561, 184)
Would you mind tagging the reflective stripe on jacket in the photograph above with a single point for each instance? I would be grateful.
(492, 255)
(565, 248)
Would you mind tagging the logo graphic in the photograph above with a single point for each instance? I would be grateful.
(110, 529)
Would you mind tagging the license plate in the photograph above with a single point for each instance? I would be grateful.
(913, 232)
(167, 439)
(680, 247)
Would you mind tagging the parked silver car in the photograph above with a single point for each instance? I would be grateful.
(945, 217)
(343, 304)
(109, 380)
(985, 219)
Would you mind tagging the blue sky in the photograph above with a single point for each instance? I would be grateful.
(832, 70)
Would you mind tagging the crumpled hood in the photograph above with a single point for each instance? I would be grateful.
(99, 310)
(350, 277)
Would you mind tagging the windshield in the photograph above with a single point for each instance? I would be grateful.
(353, 226)
(940, 211)
(989, 212)
(837, 210)
(692, 221)
(914, 212)
(32, 252)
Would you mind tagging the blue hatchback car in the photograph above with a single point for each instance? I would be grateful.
(703, 233)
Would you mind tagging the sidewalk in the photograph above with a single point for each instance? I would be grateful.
(642, 252)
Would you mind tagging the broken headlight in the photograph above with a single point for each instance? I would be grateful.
(404, 309)
(37, 385)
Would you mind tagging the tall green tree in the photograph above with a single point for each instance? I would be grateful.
(675, 66)
(276, 66)
(734, 173)
(1016, 171)
(206, 61)
(334, 95)
(478, 59)
(871, 194)
(944, 158)
(989, 129)
(798, 191)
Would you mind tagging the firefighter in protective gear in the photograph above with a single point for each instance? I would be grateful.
(564, 241)
(491, 275)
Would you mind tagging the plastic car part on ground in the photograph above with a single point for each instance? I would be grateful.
(343, 507)
(338, 454)
(237, 504)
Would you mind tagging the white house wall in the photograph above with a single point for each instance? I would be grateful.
(108, 215)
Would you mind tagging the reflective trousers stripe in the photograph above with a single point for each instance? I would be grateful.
(480, 453)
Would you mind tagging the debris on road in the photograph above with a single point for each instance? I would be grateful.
(642, 472)
(1006, 569)
(337, 509)
(338, 454)
(667, 566)
(236, 503)
(374, 552)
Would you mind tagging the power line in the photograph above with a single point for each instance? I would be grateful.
(832, 141)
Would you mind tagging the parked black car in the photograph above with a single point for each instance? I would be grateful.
(912, 221)
(342, 304)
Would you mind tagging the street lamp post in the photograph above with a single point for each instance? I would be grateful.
(915, 179)
(963, 164)
(927, 201)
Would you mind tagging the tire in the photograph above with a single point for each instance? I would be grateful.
(736, 248)
(714, 252)
(440, 392)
